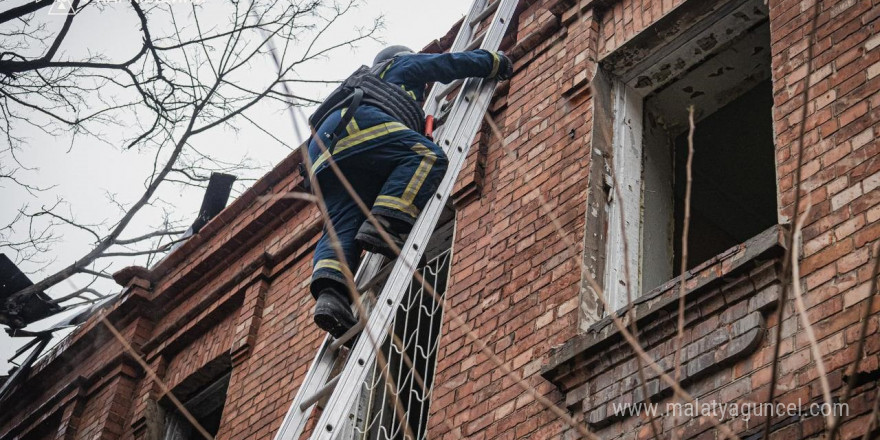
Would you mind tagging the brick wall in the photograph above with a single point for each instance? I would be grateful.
(237, 291)
(515, 278)
(840, 175)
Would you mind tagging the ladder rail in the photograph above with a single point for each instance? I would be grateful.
(468, 110)
(462, 39)
(488, 10)
(319, 371)
(316, 378)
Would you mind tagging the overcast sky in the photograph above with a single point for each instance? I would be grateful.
(83, 173)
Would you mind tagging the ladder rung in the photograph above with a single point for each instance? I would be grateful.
(352, 332)
(490, 9)
(446, 89)
(477, 41)
(444, 112)
(320, 394)
(382, 273)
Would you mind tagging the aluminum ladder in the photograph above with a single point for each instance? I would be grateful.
(463, 119)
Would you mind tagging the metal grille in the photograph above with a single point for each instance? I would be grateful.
(411, 352)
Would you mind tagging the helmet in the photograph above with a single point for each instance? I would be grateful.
(390, 52)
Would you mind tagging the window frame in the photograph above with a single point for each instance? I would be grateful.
(617, 74)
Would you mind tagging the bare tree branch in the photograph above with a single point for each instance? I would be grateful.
(148, 236)
(179, 83)
(23, 10)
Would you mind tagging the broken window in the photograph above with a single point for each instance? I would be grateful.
(205, 405)
(723, 70)
(47, 429)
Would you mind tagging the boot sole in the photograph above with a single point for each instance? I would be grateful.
(386, 252)
(370, 244)
(329, 321)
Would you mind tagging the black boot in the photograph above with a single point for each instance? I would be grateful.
(333, 312)
(371, 240)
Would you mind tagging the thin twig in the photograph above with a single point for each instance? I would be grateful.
(685, 231)
(96, 274)
(802, 312)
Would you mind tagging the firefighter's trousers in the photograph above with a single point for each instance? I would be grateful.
(394, 179)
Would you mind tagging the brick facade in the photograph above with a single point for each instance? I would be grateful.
(530, 230)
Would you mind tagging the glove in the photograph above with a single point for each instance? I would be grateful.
(505, 67)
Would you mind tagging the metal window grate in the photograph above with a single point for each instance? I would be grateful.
(412, 357)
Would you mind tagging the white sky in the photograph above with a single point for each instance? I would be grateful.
(87, 171)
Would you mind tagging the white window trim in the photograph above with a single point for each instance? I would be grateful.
(625, 192)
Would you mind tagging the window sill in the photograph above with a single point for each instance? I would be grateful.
(726, 300)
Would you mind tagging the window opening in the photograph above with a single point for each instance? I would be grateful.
(734, 179)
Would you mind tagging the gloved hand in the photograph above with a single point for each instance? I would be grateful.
(505, 67)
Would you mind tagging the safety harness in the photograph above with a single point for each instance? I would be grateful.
(365, 86)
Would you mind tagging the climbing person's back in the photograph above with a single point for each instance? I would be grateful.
(371, 128)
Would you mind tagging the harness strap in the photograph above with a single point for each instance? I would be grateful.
(356, 98)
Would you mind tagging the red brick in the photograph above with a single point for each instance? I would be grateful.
(514, 279)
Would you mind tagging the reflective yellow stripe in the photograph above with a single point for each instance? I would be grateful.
(411, 94)
(359, 138)
(329, 264)
(423, 150)
(496, 62)
(405, 203)
(352, 126)
(382, 75)
(418, 178)
(396, 203)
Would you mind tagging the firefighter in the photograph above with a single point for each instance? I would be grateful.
(372, 128)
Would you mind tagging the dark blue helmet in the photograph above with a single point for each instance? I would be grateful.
(390, 52)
